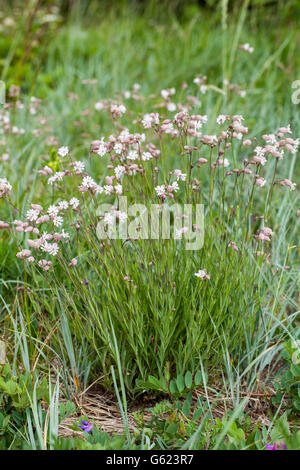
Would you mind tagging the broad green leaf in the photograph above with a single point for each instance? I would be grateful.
(180, 383)
(186, 408)
(188, 379)
(173, 387)
(198, 378)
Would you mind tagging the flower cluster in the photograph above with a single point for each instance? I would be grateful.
(136, 164)
(5, 187)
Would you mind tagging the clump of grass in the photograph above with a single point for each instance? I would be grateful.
(170, 307)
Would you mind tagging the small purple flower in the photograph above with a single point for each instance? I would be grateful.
(279, 446)
(86, 426)
(85, 281)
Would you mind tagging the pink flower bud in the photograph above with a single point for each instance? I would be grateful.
(37, 207)
(3, 224)
(73, 262)
(109, 180)
(34, 243)
(23, 254)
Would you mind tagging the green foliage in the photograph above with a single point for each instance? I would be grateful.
(66, 409)
(20, 389)
(16, 394)
(283, 432)
(21, 397)
(172, 424)
(288, 381)
(183, 425)
(177, 387)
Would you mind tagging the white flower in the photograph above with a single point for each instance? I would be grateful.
(119, 171)
(238, 135)
(58, 176)
(57, 220)
(98, 106)
(124, 135)
(102, 149)
(109, 189)
(168, 128)
(65, 234)
(5, 187)
(259, 159)
(51, 248)
(160, 190)
(63, 205)
(171, 107)
(32, 215)
(246, 47)
(88, 182)
(175, 186)
(147, 121)
(221, 119)
(117, 110)
(260, 182)
(210, 139)
(121, 215)
(197, 124)
(46, 237)
(222, 162)
(202, 274)
(270, 139)
(109, 218)
(79, 166)
(287, 182)
(179, 175)
(98, 189)
(132, 155)
(118, 147)
(63, 151)
(295, 148)
(74, 203)
(132, 169)
(146, 156)
(118, 189)
(53, 210)
(181, 231)
(260, 151)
